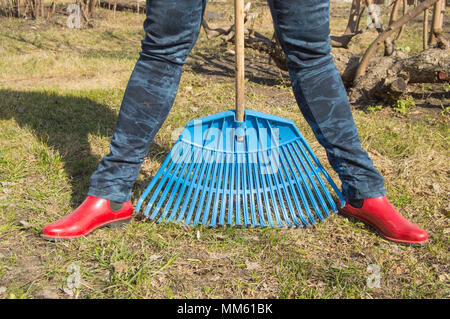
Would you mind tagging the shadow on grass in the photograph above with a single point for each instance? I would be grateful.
(64, 123)
(257, 72)
(120, 46)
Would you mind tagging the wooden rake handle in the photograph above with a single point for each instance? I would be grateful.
(239, 44)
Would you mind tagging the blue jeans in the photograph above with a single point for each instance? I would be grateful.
(171, 30)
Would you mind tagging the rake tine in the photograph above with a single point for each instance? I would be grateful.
(250, 183)
(302, 159)
(244, 190)
(305, 182)
(263, 181)
(319, 180)
(276, 175)
(231, 196)
(225, 185)
(258, 193)
(173, 176)
(196, 180)
(265, 195)
(300, 181)
(210, 179)
(325, 174)
(193, 164)
(280, 181)
(241, 192)
(204, 187)
(293, 192)
(252, 195)
(267, 179)
(271, 187)
(217, 193)
(261, 193)
(175, 188)
(240, 185)
(213, 181)
(238, 191)
(162, 182)
(155, 178)
(198, 187)
(190, 188)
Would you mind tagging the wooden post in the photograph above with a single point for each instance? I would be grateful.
(425, 29)
(353, 19)
(92, 4)
(239, 44)
(435, 22)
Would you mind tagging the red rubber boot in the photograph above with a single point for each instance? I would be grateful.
(380, 214)
(93, 213)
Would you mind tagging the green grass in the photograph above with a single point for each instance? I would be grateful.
(60, 93)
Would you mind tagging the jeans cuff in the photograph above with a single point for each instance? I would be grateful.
(115, 197)
(358, 194)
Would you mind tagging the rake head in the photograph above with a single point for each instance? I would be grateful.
(259, 172)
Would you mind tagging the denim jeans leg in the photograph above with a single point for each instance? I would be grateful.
(171, 30)
(302, 28)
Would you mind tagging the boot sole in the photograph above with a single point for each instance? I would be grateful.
(114, 224)
(405, 243)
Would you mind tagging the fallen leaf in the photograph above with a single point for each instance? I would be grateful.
(153, 257)
(24, 224)
(7, 183)
(49, 294)
(252, 265)
(436, 188)
(119, 266)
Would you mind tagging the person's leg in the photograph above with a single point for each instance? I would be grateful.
(171, 30)
(302, 28)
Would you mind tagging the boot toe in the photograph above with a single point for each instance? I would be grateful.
(420, 236)
(56, 230)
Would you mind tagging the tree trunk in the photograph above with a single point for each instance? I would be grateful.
(392, 28)
(135, 6)
(92, 5)
(437, 23)
(354, 17)
(387, 77)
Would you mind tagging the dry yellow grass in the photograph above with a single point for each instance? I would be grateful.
(60, 92)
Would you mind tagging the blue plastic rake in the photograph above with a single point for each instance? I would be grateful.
(272, 178)
(239, 168)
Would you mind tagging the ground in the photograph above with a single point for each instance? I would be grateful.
(60, 93)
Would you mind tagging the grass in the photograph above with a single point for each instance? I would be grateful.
(60, 93)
